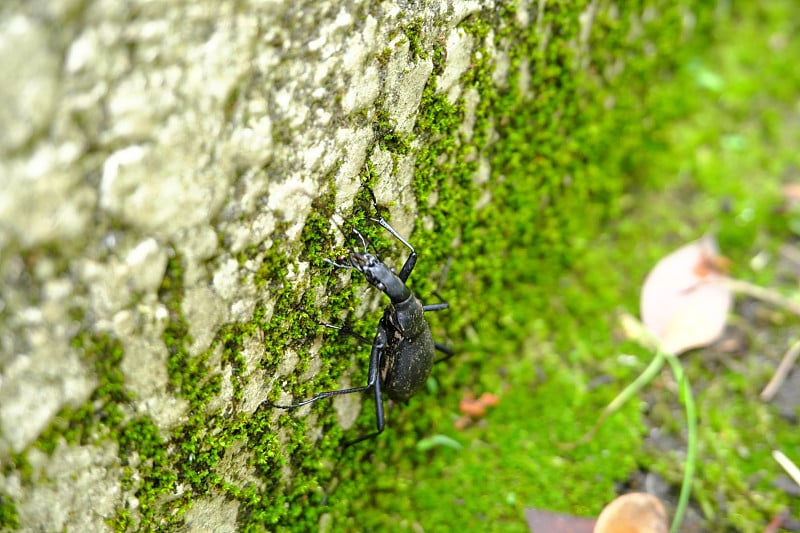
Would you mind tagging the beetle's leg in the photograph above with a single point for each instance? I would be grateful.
(408, 266)
(372, 380)
(378, 415)
(448, 353)
(319, 396)
(436, 307)
(374, 367)
(346, 329)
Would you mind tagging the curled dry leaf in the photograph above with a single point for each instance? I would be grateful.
(488, 399)
(635, 512)
(474, 408)
(471, 407)
(685, 300)
(791, 192)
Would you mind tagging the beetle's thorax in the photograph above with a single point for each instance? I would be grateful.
(380, 276)
(406, 317)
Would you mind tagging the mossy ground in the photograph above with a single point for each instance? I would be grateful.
(593, 179)
(715, 138)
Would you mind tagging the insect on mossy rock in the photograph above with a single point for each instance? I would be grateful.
(403, 347)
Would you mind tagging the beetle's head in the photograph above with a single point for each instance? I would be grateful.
(379, 275)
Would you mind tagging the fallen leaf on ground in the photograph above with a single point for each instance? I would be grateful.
(635, 512)
(791, 191)
(685, 299)
(474, 408)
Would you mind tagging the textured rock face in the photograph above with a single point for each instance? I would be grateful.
(134, 131)
(152, 154)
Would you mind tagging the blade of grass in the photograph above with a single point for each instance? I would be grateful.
(619, 400)
(638, 332)
(691, 444)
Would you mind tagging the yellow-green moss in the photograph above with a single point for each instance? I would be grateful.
(9, 518)
(413, 32)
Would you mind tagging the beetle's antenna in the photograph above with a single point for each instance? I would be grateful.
(338, 265)
(372, 195)
(363, 240)
(382, 221)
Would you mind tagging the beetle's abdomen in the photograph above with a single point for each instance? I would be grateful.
(405, 369)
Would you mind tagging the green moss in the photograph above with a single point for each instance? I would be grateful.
(202, 441)
(388, 136)
(384, 56)
(316, 238)
(414, 31)
(19, 463)
(141, 437)
(437, 115)
(9, 518)
(102, 417)
(187, 374)
(76, 424)
(231, 337)
(123, 521)
(481, 271)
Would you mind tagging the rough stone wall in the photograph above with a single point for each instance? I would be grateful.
(152, 154)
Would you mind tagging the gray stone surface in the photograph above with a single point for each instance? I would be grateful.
(77, 486)
(133, 130)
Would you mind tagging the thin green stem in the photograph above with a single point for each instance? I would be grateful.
(620, 399)
(691, 448)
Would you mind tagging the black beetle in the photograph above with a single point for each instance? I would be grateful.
(402, 351)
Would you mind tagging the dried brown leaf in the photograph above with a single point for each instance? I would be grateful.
(635, 512)
(685, 301)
